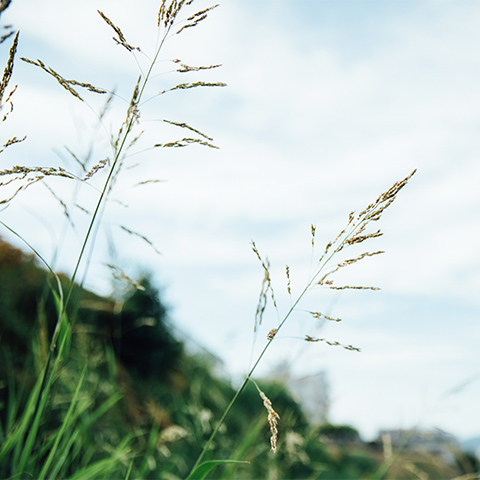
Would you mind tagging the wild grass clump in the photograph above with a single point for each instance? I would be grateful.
(38, 439)
(354, 233)
(25, 450)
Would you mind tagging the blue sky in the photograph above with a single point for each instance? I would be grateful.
(327, 105)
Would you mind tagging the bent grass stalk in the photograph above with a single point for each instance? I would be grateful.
(352, 234)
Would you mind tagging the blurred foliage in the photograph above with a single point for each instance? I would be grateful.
(339, 433)
(144, 406)
(142, 340)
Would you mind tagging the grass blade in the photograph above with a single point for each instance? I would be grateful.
(204, 468)
(65, 424)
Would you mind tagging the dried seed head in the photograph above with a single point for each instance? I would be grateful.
(12, 141)
(66, 84)
(262, 300)
(135, 140)
(7, 35)
(287, 271)
(360, 257)
(308, 338)
(196, 18)
(84, 210)
(142, 237)
(188, 68)
(188, 127)
(185, 142)
(273, 418)
(161, 13)
(320, 315)
(133, 114)
(145, 182)
(374, 211)
(362, 238)
(357, 224)
(312, 229)
(168, 14)
(353, 287)
(101, 164)
(7, 73)
(345, 263)
(187, 86)
(121, 38)
(62, 204)
(120, 274)
(28, 182)
(255, 249)
(22, 172)
(266, 287)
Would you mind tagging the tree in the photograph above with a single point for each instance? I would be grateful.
(142, 338)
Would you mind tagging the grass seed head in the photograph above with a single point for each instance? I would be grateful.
(188, 68)
(121, 38)
(287, 271)
(185, 142)
(308, 338)
(142, 237)
(7, 73)
(266, 287)
(319, 315)
(99, 166)
(5, 37)
(353, 287)
(196, 18)
(65, 83)
(273, 418)
(62, 204)
(119, 274)
(188, 86)
(12, 141)
(188, 127)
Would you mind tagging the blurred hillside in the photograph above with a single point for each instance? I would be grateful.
(145, 396)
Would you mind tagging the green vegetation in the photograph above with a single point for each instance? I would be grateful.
(108, 414)
(94, 387)
(145, 408)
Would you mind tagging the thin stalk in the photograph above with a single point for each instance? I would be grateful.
(112, 170)
(95, 213)
(349, 234)
(247, 378)
(63, 301)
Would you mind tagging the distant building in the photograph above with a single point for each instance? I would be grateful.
(434, 442)
(312, 392)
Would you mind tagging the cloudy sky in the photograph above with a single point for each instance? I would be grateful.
(328, 104)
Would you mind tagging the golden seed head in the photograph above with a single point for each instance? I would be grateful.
(273, 418)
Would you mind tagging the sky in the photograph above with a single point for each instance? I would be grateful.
(328, 104)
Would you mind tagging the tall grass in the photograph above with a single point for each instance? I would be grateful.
(25, 450)
(354, 233)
